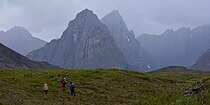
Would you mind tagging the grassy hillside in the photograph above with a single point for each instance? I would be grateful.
(103, 87)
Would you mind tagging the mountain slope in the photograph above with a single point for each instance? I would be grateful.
(126, 41)
(20, 40)
(11, 59)
(182, 47)
(203, 62)
(85, 44)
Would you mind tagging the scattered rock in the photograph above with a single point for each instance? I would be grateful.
(194, 90)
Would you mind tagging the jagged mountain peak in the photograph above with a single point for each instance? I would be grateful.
(21, 40)
(125, 39)
(184, 29)
(85, 44)
(18, 28)
(87, 15)
(85, 21)
(168, 31)
(179, 31)
(115, 13)
(114, 18)
(85, 11)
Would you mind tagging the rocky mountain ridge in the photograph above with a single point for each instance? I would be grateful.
(85, 44)
(126, 41)
(182, 47)
(12, 59)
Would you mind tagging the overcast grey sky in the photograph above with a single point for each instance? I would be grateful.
(47, 19)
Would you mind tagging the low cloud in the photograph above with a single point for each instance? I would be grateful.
(47, 19)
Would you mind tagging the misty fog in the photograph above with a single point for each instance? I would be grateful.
(47, 19)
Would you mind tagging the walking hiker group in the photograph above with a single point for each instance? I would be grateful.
(63, 85)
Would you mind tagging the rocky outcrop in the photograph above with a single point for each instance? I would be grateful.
(126, 41)
(85, 44)
(20, 40)
(12, 59)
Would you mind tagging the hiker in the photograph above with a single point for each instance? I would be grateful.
(45, 88)
(63, 83)
(72, 88)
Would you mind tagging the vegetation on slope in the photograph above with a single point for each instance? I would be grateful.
(102, 87)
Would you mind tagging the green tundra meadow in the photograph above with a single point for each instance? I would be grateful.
(104, 87)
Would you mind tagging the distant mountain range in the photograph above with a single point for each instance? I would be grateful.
(89, 43)
(12, 59)
(177, 48)
(126, 41)
(85, 44)
(20, 40)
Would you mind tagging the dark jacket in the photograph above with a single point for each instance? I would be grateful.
(72, 86)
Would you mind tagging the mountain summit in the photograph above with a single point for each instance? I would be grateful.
(20, 40)
(85, 44)
(126, 41)
(116, 24)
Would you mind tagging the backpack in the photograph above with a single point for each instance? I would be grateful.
(64, 81)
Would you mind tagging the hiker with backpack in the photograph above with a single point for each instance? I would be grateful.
(45, 88)
(63, 83)
(72, 88)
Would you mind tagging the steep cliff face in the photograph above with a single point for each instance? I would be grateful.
(126, 41)
(203, 63)
(182, 47)
(86, 44)
(12, 59)
(20, 40)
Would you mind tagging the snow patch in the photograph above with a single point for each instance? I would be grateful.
(128, 39)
